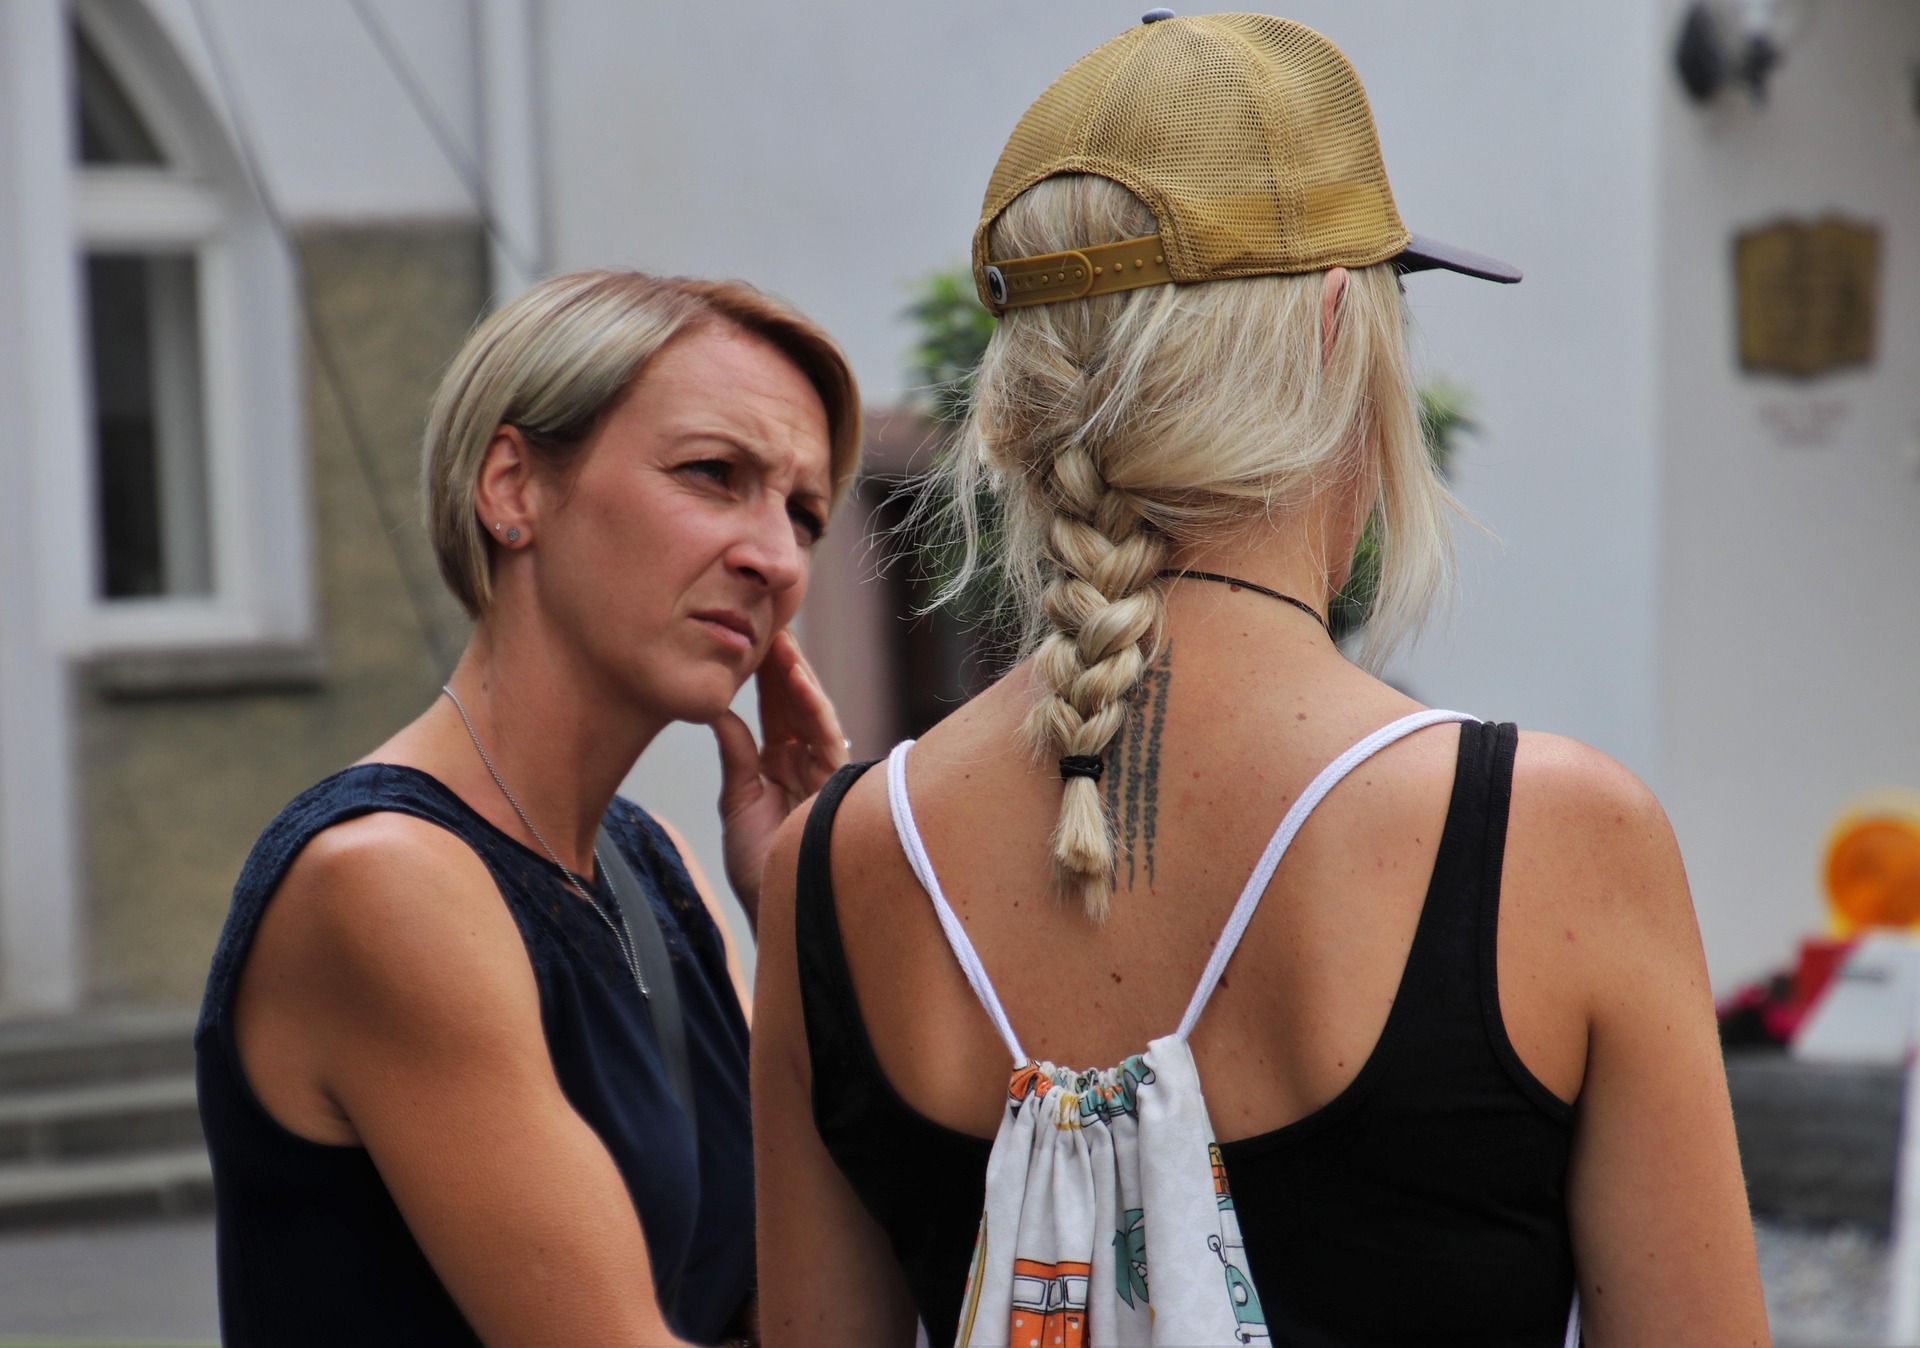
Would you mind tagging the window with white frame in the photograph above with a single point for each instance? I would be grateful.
(188, 504)
(142, 320)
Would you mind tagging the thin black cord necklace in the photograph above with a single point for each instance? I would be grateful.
(1239, 584)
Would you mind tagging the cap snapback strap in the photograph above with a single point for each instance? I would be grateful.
(1099, 270)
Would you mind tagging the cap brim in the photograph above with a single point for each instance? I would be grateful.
(1424, 254)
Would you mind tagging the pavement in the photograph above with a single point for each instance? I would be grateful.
(152, 1284)
(1826, 1288)
(147, 1283)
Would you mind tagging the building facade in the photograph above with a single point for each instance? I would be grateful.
(238, 241)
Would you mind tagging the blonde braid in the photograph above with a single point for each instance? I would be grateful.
(1116, 429)
(1103, 609)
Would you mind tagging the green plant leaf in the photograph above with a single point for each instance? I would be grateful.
(1445, 416)
(953, 329)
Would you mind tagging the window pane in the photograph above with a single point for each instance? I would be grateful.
(148, 429)
(112, 130)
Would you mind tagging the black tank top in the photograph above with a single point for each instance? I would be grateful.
(311, 1247)
(1425, 1204)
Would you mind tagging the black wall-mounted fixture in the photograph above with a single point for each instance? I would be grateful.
(1709, 59)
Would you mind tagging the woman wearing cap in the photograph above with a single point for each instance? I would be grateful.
(1440, 979)
(472, 1067)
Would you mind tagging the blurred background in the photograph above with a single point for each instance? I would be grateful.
(239, 240)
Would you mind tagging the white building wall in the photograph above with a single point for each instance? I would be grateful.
(337, 136)
(1527, 131)
(1790, 612)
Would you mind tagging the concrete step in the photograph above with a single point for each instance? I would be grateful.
(93, 1047)
(1818, 1142)
(159, 1183)
(98, 1120)
(72, 1122)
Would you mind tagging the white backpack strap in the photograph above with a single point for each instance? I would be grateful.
(956, 934)
(1316, 791)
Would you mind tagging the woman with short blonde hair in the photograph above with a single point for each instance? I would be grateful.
(555, 361)
(1192, 985)
(472, 1057)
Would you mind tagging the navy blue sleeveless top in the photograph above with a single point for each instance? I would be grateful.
(1425, 1204)
(311, 1247)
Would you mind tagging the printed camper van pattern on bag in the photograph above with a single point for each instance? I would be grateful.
(1108, 1218)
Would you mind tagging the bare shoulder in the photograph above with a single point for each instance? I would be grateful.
(1588, 837)
(1573, 795)
(783, 857)
(1574, 775)
(382, 875)
(857, 825)
(386, 946)
(386, 913)
(778, 1041)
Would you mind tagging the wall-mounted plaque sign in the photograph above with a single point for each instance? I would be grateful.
(1809, 296)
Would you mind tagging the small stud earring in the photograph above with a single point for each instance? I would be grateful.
(513, 535)
(496, 528)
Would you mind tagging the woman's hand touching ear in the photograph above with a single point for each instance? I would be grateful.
(800, 746)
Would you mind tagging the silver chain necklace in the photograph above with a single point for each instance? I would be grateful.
(622, 934)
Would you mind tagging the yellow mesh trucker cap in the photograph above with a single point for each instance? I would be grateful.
(1248, 136)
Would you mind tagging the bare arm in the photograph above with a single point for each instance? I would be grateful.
(827, 1274)
(418, 1021)
(1662, 1236)
(761, 783)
